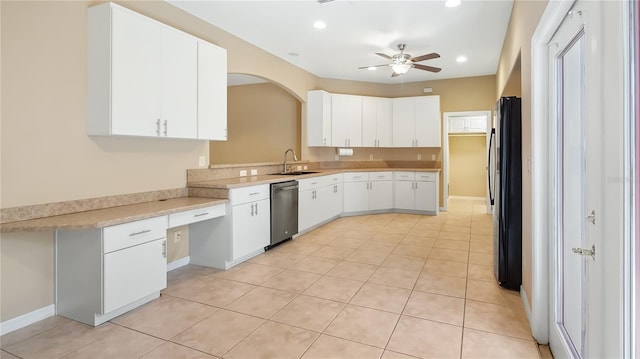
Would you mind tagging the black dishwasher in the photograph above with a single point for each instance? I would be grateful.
(284, 211)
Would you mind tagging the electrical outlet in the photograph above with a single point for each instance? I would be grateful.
(305, 167)
(419, 156)
(298, 168)
(370, 157)
(243, 173)
(254, 172)
(201, 161)
(433, 157)
(337, 158)
(177, 237)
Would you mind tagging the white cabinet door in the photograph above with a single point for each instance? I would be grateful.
(318, 118)
(457, 125)
(251, 227)
(426, 195)
(477, 124)
(346, 120)
(404, 195)
(427, 125)
(369, 122)
(377, 126)
(354, 121)
(212, 92)
(306, 210)
(384, 123)
(323, 203)
(356, 196)
(179, 85)
(337, 199)
(404, 113)
(135, 75)
(380, 195)
(133, 273)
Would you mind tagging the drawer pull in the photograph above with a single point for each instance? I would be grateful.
(201, 214)
(139, 233)
(164, 249)
(254, 193)
(314, 183)
(381, 176)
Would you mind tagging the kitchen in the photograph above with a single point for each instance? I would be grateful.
(36, 137)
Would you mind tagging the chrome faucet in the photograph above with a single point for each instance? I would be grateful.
(295, 158)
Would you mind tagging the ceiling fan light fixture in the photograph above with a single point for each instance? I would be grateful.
(372, 68)
(461, 59)
(401, 68)
(452, 3)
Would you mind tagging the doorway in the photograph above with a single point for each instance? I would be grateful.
(466, 146)
(578, 189)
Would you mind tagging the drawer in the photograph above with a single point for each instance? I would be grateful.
(196, 215)
(248, 194)
(133, 233)
(333, 179)
(380, 176)
(426, 176)
(404, 176)
(356, 177)
(312, 183)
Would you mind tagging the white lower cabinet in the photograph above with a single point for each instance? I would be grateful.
(319, 199)
(104, 272)
(368, 191)
(416, 191)
(243, 233)
(251, 228)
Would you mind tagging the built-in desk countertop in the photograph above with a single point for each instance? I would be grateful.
(111, 216)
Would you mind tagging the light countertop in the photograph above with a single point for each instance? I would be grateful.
(111, 216)
(239, 182)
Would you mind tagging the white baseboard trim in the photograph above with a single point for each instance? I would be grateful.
(466, 197)
(178, 263)
(27, 319)
(527, 307)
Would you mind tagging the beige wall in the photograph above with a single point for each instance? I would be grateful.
(525, 16)
(46, 155)
(467, 166)
(263, 121)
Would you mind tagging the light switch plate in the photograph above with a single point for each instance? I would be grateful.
(254, 172)
(243, 173)
(201, 161)
(433, 157)
(419, 156)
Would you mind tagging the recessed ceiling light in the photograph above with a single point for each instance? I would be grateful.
(452, 3)
(461, 59)
(372, 68)
(319, 24)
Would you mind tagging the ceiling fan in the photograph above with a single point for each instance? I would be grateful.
(401, 63)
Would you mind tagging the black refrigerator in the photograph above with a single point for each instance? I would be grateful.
(505, 191)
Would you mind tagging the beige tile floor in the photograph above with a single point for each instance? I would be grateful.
(376, 286)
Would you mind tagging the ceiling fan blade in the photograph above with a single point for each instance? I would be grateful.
(366, 67)
(384, 55)
(430, 56)
(427, 68)
(395, 74)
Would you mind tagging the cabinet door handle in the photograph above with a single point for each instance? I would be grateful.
(345, 142)
(164, 248)
(324, 141)
(200, 214)
(165, 127)
(252, 209)
(256, 209)
(158, 127)
(139, 233)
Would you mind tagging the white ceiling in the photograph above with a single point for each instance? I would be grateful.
(357, 29)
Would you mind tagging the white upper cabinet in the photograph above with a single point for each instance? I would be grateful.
(376, 122)
(178, 84)
(212, 92)
(318, 118)
(467, 124)
(416, 121)
(346, 120)
(144, 78)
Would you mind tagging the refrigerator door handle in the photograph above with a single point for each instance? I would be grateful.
(493, 133)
